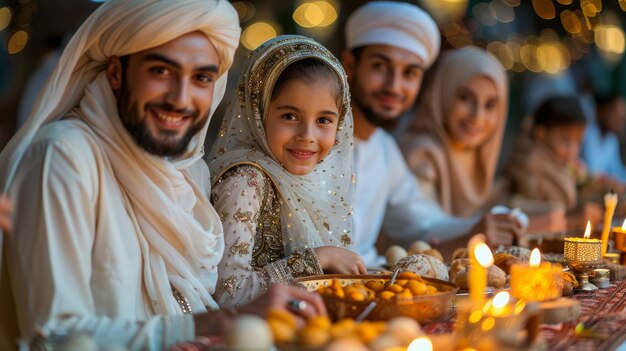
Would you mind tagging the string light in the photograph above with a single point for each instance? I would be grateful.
(5, 17)
(544, 9)
(571, 22)
(315, 14)
(258, 33)
(17, 42)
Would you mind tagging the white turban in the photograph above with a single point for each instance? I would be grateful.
(397, 24)
(119, 28)
(185, 248)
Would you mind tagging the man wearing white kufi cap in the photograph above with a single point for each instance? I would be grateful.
(114, 235)
(389, 45)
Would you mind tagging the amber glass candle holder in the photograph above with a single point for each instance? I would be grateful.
(619, 235)
(541, 283)
(513, 326)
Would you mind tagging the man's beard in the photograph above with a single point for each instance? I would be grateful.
(166, 142)
(369, 114)
(375, 118)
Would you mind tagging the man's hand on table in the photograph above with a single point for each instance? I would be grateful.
(296, 300)
(500, 229)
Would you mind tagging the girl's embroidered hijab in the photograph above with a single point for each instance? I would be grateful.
(317, 207)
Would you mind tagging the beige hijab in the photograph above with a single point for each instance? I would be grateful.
(428, 138)
(184, 247)
(316, 209)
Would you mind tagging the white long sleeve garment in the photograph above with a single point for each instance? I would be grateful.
(73, 260)
(250, 209)
(601, 153)
(388, 197)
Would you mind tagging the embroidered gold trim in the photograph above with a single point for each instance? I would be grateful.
(242, 216)
(240, 248)
(182, 301)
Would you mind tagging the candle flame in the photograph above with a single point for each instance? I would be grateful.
(535, 258)
(588, 230)
(501, 299)
(624, 225)
(422, 343)
(483, 255)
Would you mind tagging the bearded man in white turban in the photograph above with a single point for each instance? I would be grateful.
(389, 46)
(114, 235)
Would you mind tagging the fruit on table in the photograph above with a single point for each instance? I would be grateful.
(319, 330)
(406, 286)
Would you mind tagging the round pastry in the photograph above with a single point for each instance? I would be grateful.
(569, 283)
(434, 253)
(517, 251)
(504, 261)
(418, 246)
(460, 252)
(459, 274)
(404, 329)
(425, 265)
(568, 288)
(249, 333)
(347, 343)
(385, 342)
(394, 254)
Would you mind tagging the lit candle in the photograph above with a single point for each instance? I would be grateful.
(620, 237)
(496, 312)
(583, 249)
(610, 202)
(500, 305)
(481, 258)
(536, 281)
(422, 343)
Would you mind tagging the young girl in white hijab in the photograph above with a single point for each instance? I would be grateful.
(282, 171)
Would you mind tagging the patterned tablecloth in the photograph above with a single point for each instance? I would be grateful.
(603, 313)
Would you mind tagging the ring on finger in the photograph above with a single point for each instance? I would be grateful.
(296, 305)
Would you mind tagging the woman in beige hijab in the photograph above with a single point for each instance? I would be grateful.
(454, 143)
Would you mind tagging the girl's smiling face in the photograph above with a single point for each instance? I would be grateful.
(301, 124)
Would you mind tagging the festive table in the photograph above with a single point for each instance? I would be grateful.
(603, 313)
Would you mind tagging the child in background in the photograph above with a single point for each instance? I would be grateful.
(545, 169)
(282, 171)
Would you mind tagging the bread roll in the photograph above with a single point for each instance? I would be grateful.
(459, 274)
(394, 254)
(504, 261)
(425, 265)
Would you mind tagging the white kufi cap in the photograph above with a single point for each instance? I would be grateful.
(394, 23)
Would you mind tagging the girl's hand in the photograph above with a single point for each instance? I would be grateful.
(339, 260)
